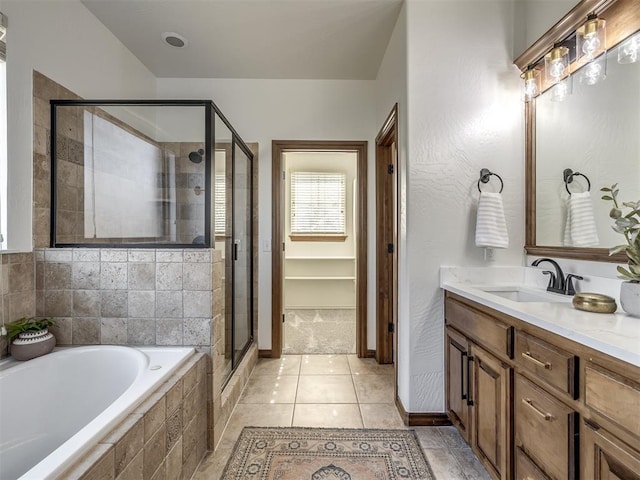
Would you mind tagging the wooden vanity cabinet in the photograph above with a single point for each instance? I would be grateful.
(479, 386)
(535, 406)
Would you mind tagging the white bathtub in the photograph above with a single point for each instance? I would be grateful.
(54, 408)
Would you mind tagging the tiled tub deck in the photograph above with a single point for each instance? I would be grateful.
(164, 438)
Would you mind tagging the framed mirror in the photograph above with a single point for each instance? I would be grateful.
(593, 135)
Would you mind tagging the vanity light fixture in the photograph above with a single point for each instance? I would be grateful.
(591, 38)
(629, 50)
(590, 48)
(531, 78)
(556, 65)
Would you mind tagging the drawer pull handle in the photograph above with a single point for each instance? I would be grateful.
(528, 356)
(547, 416)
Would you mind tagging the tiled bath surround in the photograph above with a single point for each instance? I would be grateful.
(17, 293)
(127, 297)
(164, 438)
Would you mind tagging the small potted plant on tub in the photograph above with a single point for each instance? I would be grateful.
(627, 223)
(30, 337)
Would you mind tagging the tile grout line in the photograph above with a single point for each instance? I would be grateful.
(355, 391)
(295, 398)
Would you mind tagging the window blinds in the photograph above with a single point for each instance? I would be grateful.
(219, 203)
(317, 203)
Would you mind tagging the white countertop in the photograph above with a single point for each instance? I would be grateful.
(615, 334)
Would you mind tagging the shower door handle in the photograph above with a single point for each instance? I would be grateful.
(235, 249)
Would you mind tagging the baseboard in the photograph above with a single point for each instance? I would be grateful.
(264, 353)
(422, 419)
(370, 354)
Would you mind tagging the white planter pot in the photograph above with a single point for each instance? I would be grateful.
(630, 298)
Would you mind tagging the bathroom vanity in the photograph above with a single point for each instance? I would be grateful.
(540, 390)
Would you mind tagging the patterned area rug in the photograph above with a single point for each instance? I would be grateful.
(326, 454)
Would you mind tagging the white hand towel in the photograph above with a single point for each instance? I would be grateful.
(491, 227)
(580, 230)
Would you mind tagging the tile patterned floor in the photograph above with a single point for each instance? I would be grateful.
(334, 391)
(324, 331)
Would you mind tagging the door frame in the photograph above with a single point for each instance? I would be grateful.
(279, 147)
(387, 233)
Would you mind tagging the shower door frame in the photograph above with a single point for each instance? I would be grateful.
(209, 109)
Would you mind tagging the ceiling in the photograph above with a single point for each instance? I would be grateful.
(302, 39)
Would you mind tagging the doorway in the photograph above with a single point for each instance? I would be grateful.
(387, 238)
(319, 247)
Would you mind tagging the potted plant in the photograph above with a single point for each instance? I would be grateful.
(30, 337)
(627, 223)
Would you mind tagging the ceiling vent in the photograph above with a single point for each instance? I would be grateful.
(174, 39)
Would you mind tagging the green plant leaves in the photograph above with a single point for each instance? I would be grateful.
(627, 224)
(30, 324)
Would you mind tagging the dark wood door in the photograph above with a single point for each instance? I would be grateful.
(386, 239)
(491, 412)
(456, 364)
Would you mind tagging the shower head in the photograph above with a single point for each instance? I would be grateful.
(196, 157)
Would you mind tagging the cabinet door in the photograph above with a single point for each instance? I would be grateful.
(606, 458)
(491, 413)
(456, 381)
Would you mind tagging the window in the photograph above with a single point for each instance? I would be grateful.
(317, 203)
(219, 203)
(3, 132)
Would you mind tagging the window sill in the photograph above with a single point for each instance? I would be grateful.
(318, 238)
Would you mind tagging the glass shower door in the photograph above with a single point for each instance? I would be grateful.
(242, 251)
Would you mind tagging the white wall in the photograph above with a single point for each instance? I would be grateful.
(65, 42)
(391, 88)
(465, 113)
(266, 110)
(534, 18)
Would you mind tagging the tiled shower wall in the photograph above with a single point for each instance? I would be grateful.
(184, 185)
(127, 297)
(17, 292)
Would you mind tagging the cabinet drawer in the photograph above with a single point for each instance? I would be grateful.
(487, 331)
(545, 429)
(553, 365)
(613, 396)
(526, 469)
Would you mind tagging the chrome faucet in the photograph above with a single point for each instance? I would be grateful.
(557, 281)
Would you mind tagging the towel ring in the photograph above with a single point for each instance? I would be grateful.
(568, 175)
(485, 173)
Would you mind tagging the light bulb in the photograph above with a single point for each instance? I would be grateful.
(556, 64)
(530, 88)
(591, 45)
(591, 38)
(557, 67)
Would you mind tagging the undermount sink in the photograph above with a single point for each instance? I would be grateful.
(520, 294)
